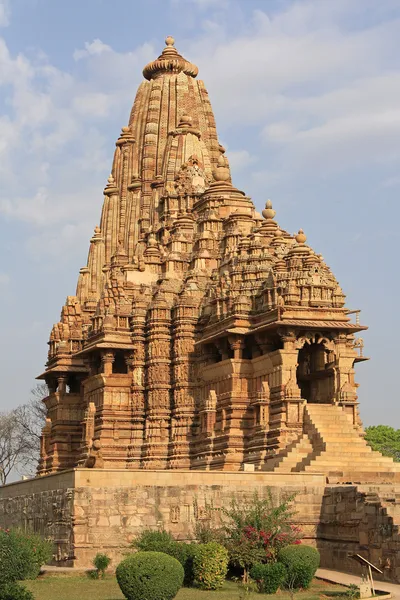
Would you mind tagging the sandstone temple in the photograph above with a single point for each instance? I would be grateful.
(206, 349)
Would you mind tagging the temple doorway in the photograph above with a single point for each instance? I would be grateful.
(315, 373)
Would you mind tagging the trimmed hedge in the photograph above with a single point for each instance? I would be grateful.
(301, 563)
(162, 541)
(15, 591)
(146, 575)
(210, 565)
(269, 577)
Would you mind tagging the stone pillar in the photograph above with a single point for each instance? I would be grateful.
(183, 365)
(158, 363)
(107, 360)
(136, 367)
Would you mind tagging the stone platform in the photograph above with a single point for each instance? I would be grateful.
(90, 510)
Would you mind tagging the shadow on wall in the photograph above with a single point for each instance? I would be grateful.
(355, 519)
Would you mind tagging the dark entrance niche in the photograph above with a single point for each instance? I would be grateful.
(119, 364)
(315, 374)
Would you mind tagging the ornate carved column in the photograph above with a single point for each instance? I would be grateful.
(257, 445)
(136, 367)
(158, 363)
(183, 365)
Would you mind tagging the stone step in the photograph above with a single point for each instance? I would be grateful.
(359, 456)
(347, 466)
(338, 435)
(356, 444)
(333, 425)
(332, 419)
(301, 450)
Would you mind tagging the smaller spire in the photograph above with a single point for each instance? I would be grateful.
(269, 226)
(169, 40)
(110, 188)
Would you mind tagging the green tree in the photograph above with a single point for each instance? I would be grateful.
(384, 439)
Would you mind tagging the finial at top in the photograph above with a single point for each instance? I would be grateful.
(170, 62)
(268, 212)
(301, 238)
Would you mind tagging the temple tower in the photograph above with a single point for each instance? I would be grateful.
(200, 330)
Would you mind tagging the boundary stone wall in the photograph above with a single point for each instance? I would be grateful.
(89, 510)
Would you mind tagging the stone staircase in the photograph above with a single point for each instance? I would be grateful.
(331, 444)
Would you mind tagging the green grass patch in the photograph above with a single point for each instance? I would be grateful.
(82, 588)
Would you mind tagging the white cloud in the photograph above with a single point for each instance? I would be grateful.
(317, 90)
(318, 85)
(52, 127)
(94, 48)
(239, 159)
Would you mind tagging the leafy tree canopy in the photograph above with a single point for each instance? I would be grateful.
(384, 439)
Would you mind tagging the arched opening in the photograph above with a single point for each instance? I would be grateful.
(315, 374)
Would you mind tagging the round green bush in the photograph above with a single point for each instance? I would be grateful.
(269, 577)
(301, 563)
(150, 575)
(162, 541)
(15, 591)
(210, 565)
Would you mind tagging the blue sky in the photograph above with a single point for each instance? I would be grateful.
(306, 96)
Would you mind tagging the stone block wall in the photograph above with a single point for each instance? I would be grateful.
(90, 510)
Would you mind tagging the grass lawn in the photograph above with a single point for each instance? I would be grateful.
(83, 588)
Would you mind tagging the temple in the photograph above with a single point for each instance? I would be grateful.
(202, 334)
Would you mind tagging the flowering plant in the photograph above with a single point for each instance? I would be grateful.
(257, 530)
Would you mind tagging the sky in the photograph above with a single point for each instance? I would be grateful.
(306, 96)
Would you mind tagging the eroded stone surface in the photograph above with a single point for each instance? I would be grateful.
(90, 510)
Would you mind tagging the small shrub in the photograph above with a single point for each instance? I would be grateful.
(22, 555)
(301, 563)
(101, 563)
(185, 553)
(353, 591)
(15, 557)
(41, 552)
(92, 574)
(210, 565)
(151, 540)
(162, 541)
(269, 577)
(146, 575)
(14, 591)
